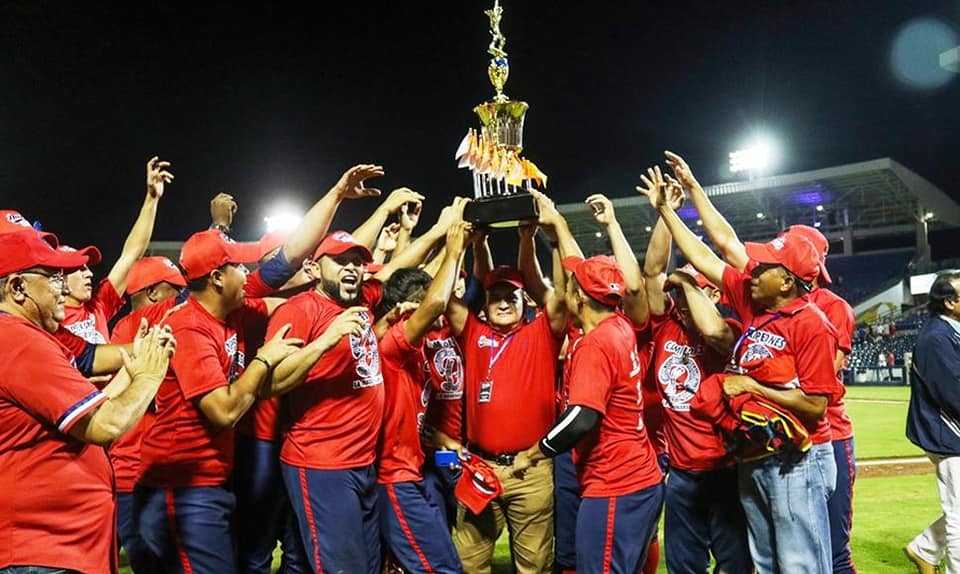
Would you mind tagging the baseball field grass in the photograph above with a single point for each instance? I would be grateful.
(888, 510)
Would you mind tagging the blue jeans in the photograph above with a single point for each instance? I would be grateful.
(786, 509)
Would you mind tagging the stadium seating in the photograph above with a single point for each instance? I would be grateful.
(856, 277)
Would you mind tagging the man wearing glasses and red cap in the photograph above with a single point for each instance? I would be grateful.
(839, 313)
(620, 481)
(53, 422)
(781, 322)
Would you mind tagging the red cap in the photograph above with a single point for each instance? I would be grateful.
(700, 279)
(599, 276)
(793, 251)
(340, 242)
(26, 249)
(272, 240)
(814, 236)
(92, 253)
(478, 485)
(11, 222)
(152, 270)
(209, 250)
(504, 274)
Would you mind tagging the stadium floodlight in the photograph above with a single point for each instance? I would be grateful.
(819, 208)
(282, 219)
(759, 215)
(648, 229)
(928, 216)
(760, 156)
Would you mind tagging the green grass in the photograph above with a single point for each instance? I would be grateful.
(879, 427)
(898, 393)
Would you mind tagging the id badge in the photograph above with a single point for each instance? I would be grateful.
(486, 391)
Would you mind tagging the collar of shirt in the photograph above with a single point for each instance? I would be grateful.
(952, 322)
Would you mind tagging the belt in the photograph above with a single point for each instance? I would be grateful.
(503, 459)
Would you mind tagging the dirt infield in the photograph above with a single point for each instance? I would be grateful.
(893, 467)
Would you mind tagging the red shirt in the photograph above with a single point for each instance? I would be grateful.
(407, 392)
(616, 457)
(798, 331)
(444, 366)
(337, 413)
(90, 320)
(56, 493)
(182, 447)
(840, 314)
(681, 361)
(510, 384)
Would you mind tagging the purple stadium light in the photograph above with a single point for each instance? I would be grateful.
(815, 195)
(688, 212)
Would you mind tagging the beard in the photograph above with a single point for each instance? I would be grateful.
(334, 290)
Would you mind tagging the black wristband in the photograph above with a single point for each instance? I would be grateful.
(218, 227)
(264, 361)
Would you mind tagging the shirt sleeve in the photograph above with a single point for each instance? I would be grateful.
(46, 384)
(197, 363)
(937, 361)
(107, 300)
(395, 351)
(736, 286)
(592, 377)
(841, 317)
(814, 353)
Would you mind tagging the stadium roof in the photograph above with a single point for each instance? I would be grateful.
(874, 198)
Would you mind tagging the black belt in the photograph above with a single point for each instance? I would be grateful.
(504, 459)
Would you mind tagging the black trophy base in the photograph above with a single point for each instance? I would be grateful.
(501, 212)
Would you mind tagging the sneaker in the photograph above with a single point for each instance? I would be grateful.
(923, 567)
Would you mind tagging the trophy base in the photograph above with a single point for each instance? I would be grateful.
(501, 212)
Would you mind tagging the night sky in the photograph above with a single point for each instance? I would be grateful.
(273, 102)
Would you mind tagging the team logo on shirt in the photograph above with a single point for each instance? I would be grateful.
(485, 341)
(87, 330)
(449, 365)
(679, 376)
(367, 356)
(768, 339)
(17, 219)
(755, 352)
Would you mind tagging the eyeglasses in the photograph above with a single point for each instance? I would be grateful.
(57, 280)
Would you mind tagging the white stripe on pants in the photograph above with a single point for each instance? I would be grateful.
(941, 540)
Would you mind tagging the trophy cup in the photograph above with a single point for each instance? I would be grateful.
(501, 178)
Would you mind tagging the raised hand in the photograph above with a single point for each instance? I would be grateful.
(157, 177)
(222, 209)
(398, 311)
(352, 321)
(279, 348)
(410, 214)
(458, 236)
(152, 352)
(681, 170)
(654, 187)
(452, 213)
(549, 216)
(675, 194)
(387, 241)
(602, 209)
(351, 183)
(401, 197)
(527, 229)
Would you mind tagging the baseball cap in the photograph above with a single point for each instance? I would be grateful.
(792, 251)
(599, 276)
(478, 485)
(340, 242)
(11, 222)
(504, 274)
(26, 249)
(152, 270)
(92, 253)
(211, 249)
(814, 236)
(700, 279)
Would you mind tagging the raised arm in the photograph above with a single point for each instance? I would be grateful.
(718, 229)
(417, 251)
(657, 261)
(555, 226)
(386, 242)
(635, 300)
(139, 237)
(316, 222)
(708, 320)
(696, 252)
(369, 230)
(441, 288)
(409, 217)
(529, 266)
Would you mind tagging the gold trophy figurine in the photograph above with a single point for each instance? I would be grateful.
(501, 177)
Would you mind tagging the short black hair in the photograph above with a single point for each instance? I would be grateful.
(407, 284)
(941, 291)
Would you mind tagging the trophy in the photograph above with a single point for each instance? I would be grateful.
(502, 179)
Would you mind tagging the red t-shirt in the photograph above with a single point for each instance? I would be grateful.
(336, 414)
(407, 391)
(125, 451)
(616, 457)
(90, 320)
(840, 314)
(681, 361)
(182, 447)
(57, 507)
(444, 366)
(798, 331)
(510, 384)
